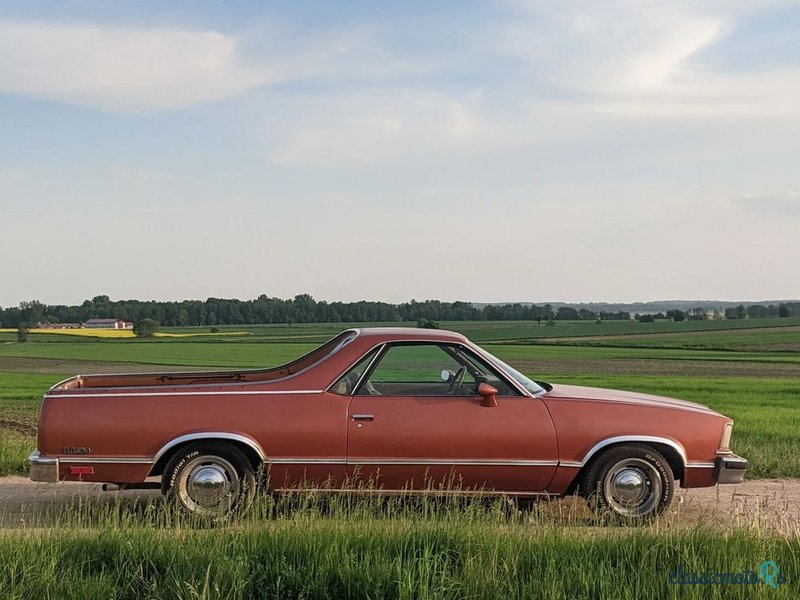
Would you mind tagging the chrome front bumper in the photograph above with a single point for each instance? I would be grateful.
(729, 468)
(43, 469)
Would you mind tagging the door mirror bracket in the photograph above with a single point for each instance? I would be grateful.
(488, 395)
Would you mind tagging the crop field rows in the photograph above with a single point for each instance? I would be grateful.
(131, 548)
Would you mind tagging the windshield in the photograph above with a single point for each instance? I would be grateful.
(530, 385)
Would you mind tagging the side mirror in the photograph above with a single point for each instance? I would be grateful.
(488, 394)
(446, 375)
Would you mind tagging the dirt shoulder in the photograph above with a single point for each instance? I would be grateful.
(767, 503)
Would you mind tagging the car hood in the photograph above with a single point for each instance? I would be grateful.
(578, 392)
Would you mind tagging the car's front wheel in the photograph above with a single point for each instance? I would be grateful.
(213, 481)
(634, 482)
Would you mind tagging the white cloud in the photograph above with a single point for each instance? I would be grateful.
(785, 204)
(646, 60)
(376, 127)
(125, 70)
(581, 71)
(138, 70)
(609, 47)
(746, 96)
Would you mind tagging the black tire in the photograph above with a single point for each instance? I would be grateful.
(632, 482)
(213, 481)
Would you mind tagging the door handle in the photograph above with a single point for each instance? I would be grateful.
(363, 417)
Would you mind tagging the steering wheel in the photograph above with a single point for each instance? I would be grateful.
(455, 382)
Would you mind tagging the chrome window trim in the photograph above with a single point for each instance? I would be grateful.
(487, 356)
(468, 346)
(350, 368)
(382, 349)
(510, 381)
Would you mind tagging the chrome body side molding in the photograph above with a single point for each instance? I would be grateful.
(114, 460)
(306, 461)
(134, 394)
(446, 462)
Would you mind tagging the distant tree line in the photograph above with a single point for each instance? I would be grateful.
(305, 309)
(754, 311)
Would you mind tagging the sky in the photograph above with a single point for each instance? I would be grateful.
(486, 151)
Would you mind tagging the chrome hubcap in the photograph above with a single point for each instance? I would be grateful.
(632, 487)
(628, 486)
(208, 485)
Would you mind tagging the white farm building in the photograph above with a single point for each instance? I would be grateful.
(107, 324)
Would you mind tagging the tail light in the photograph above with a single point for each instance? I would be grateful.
(81, 470)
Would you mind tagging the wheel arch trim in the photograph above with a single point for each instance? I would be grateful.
(621, 439)
(210, 435)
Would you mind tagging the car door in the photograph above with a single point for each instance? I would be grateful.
(416, 421)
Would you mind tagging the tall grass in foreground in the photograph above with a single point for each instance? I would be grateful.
(317, 546)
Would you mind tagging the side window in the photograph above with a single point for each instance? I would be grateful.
(416, 370)
(430, 370)
(484, 373)
(347, 382)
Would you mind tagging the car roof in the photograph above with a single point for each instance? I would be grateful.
(388, 334)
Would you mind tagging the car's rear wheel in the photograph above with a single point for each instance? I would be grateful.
(212, 481)
(632, 482)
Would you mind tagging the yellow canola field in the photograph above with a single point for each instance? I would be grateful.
(118, 333)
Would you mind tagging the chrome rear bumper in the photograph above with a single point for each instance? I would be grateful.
(43, 469)
(729, 468)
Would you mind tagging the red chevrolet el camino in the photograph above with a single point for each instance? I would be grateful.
(391, 408)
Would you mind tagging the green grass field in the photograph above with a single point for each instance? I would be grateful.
(783, 339)
(314, 546)
(237, 354)
(479, 331)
